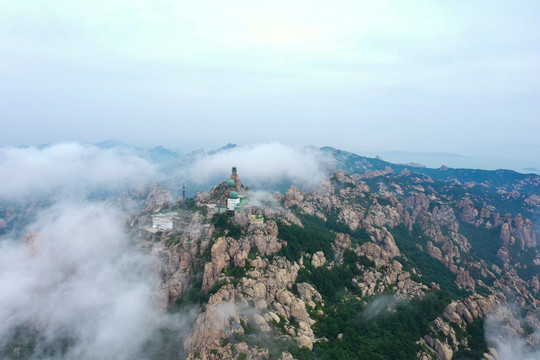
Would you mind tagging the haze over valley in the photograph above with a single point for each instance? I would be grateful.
(103, 257)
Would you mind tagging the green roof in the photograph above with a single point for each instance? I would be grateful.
(230, 182)
(260, 217)
(233, 195)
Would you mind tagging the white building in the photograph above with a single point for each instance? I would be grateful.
(231, 203)
(162, 222)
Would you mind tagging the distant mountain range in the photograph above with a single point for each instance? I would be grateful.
(507, 190)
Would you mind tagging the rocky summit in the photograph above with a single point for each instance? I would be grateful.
(363, 266)
(374, 262)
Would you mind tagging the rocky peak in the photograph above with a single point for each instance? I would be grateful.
(293, 197)
(158, 199)
(417, 204)
(220, 193)
(468, 212)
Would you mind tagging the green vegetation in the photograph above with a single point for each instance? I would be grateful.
(481, 290)
(225, 227)
(331, 283)
(316, 235)
(237, 272)
(485, 243)
(281, 323)
(338, 185)
(350, 257)
(476, 273)
(384, 201)
(174, 239)
(432, 269)
(189, 205)
(313, 237)
(301, 353)
(475, 340)
(32, 344)
(390, 335)
(359, 236)
(335, 283)
(527, 330)
(274, 341)
(527, 268)
(194, 296)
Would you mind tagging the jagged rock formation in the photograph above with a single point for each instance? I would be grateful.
(465, 311)
(265, 239)
(175, 256)
(421, 255)
(219, 193)
(385, 242)
(158, 198)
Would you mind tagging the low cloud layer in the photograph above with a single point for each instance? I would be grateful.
(381, 305)
(77, 281)
(263, 165)
(69, 167)
(502, 331)
(77, 288)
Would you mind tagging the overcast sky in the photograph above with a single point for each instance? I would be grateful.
(458, 77)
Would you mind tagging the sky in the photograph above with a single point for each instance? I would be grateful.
(400, 79)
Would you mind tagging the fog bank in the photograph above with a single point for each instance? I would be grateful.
(266, 164)
(69, 168)
(78, 288)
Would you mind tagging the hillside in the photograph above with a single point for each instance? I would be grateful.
(376, 261)
(381, 269)
(507, 190)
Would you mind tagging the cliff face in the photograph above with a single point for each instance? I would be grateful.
(158, 199)
(392, 247)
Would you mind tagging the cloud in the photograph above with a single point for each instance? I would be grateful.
(502, 328)
(77, 288)
(69, 167)
(263, 198)
(262, 165)
(382, 304)
(77, 281)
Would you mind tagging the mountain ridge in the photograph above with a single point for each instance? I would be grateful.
(322, 253)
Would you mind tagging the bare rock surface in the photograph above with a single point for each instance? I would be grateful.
(158, 198)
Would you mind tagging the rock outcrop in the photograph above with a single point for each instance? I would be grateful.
(265, 239)
(158, 199)
(175, 256)
(472, 307)
(250, 286)
(293, 197)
